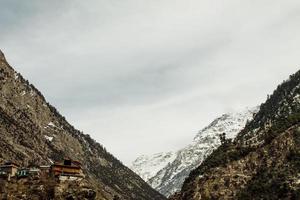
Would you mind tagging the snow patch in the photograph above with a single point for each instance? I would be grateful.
(16, 76)
(23, 93)
(51, 124)
(149, 166)
(32, 93)
(49, 138)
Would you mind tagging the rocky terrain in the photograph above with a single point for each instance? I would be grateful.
(263, 162)
(34, 132)
(33, 189)
(166, 172)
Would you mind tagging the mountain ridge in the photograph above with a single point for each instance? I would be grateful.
(263, 162)
(176, 168)
(33, 132)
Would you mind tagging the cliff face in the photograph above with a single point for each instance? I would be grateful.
(33, 132)
(263, 162)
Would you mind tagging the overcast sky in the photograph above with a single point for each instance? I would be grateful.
(143, 76)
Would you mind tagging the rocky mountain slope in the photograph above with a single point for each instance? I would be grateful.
(33, 132)
(264, 160)
(166, 172)
(40, 189)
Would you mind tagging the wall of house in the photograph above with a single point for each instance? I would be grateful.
(10, 170)
(60, 169)
(70, 178)
(14, 171)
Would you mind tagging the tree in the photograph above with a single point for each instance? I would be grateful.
(222, 138)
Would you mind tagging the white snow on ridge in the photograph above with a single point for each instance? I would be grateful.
(230, 123)
(16, 76)
(148, 166)
(167, 175)
(51, 124)
(23, 93)
(48, 138)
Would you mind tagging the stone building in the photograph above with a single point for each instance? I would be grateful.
(9, 169)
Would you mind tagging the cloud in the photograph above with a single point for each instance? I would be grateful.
(144, 76)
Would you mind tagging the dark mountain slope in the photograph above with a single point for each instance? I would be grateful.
(33, 132)
(263, 162)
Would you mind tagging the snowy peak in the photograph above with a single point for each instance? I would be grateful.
(262, 162)
(166, 172)
(230, 123)
(148, 166)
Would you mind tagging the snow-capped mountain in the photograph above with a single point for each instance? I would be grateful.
(148, 166)
(166, 172)
(262, 162)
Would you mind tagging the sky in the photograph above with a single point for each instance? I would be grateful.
(144, 76)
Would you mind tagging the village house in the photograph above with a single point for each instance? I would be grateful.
(28, 172)
(9, 169)
(67, 170)
(34, 171)
(23, 173)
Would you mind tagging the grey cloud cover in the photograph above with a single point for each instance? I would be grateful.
(143, 76)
